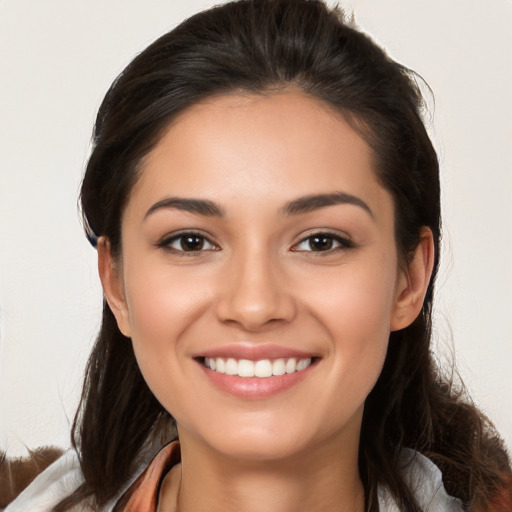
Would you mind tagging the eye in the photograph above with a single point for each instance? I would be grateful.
(188, 242)
(323, 242)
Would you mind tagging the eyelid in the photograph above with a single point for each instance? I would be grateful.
(342, 239)
(166, 241)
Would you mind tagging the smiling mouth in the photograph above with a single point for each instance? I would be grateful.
(262, 368)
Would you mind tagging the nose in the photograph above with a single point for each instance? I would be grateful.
(255, 292)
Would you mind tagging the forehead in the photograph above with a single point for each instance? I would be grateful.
(255, 149)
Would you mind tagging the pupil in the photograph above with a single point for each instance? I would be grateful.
(192, 243)
(321, 243)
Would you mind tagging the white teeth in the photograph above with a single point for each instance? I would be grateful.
(278, 367)
(291, 365)
(303, 364)
(262, 368)
(245, 368)
(231, 367)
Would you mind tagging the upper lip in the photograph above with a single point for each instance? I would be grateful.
(254, 352)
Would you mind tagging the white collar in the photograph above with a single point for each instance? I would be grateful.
(425, 480)
(64, 476)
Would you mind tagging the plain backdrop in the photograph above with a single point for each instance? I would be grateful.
(57, 59)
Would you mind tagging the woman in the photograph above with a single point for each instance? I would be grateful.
(265, 203)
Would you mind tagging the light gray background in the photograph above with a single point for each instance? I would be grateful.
(57, 58)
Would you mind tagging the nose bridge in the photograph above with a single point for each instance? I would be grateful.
(254, 292)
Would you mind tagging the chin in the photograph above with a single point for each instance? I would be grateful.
(261, 446)
(270, 437)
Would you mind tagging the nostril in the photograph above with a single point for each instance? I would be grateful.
(253, 311)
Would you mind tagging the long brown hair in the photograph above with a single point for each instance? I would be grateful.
(259, 46)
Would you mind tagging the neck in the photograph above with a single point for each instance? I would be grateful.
(307, 481)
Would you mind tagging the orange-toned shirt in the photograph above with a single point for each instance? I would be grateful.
(142, 496)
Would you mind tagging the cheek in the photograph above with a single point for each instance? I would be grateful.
(162, 302)
(157, 321)
(162, 306)
(355, 307)
(355, 301)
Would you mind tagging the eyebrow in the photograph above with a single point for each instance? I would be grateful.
(199, 206)
(311, 203)
(298, 206)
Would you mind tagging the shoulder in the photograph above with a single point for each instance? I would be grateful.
(57, 481)
(425, 480)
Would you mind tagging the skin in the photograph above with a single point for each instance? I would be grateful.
(257, 281)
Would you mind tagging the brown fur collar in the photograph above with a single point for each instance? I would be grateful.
(17, 473)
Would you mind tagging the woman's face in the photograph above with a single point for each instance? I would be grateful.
(259, 241)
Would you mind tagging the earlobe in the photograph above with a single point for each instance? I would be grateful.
(111, 281)
(413, 282)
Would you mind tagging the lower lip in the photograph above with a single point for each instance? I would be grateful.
(255, 388)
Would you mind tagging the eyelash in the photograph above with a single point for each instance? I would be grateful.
(167, 242)
(330, 238)
(343, 242)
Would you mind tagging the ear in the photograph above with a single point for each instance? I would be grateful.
(413, 282)
(112, 282)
